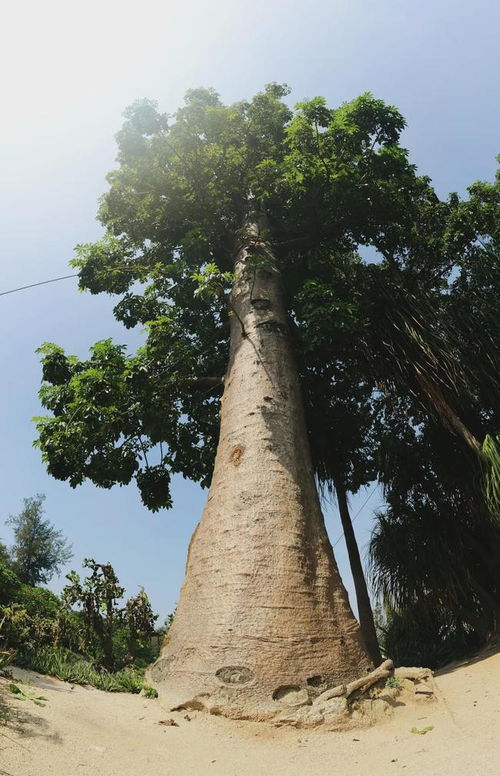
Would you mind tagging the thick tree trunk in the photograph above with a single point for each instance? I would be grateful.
(263, 619)
(363, 599)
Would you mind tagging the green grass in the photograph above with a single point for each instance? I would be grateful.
(73, 668)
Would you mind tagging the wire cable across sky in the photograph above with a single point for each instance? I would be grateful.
(41, 283)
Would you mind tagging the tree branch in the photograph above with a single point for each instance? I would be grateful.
(204, 382)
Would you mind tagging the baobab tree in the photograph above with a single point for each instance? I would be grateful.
(227, 214)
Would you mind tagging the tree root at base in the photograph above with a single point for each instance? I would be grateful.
(359, 703)
(353, 705)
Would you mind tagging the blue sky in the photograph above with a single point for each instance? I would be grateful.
(69, 72)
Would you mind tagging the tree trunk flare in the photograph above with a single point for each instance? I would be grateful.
(363, 599)
(263, 620)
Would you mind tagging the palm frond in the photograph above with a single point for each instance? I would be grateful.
(491, 462)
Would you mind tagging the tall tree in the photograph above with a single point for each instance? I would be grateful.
(226, 213)
(339, 403)
(39, 549)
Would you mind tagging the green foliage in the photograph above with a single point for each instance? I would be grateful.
(23, 694)
(393, 682)
(38, 601)
(328, 179)
(422, 731)
(491, 452)
(434, 551)
(14, 625)
(408, 644)
(331, 180)
(42, 632)
(392, 296)
(30, 618)
(9, 583)
(211, 281)
(116, 415)
(97, 596)
(139, 620)
(4, 555)
(71, 667)
(150, 692)
(6, 655)
(112, 634)
(39, 549)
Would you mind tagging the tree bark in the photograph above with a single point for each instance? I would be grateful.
(263, 619)
(362, 597)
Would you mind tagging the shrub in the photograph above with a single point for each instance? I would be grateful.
(9, 583)
(38, 601)
(71, 667)
(407, 643)
(14, 625)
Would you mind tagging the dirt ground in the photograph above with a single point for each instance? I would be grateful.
(81, 731)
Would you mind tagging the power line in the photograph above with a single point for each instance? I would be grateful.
(65, 277)
(359, 510)
(41, 283)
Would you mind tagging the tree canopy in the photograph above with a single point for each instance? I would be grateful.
(332, 180)
(391, 293)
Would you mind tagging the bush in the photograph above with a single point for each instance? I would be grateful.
(113, 635)
(38, 601)
(42, 632)
(14, 626)
(71, 667)
(409, 644)
(6, 655)
(9, 583)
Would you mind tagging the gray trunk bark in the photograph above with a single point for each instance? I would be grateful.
(263, 619)
(365, 611)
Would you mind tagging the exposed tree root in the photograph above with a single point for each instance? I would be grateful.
(359, 703)
(363, 683)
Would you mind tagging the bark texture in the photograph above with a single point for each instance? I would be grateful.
(263, 621)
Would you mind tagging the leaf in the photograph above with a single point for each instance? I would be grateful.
(422, 731)
(23, 695)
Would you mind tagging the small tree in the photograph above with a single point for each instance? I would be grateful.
(39, 550)
(140, 621)
(110, 629)
(97, 595)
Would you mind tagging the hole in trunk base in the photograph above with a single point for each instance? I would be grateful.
(291, 695)
(315, 681)
(234, 674)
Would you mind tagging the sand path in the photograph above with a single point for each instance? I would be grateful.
(82, 731)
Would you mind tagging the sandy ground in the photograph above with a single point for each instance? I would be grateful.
(82, 731)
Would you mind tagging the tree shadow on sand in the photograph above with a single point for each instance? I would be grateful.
(19, 721)
(493, 648)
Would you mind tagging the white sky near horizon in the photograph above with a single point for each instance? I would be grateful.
(70, 69)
